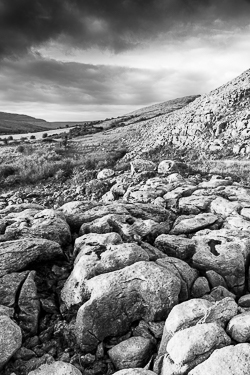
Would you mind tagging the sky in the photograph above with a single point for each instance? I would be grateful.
(77, 60)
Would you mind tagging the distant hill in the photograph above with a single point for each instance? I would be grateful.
(11, 123)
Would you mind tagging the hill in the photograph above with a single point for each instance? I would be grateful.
(218, 120)
(11, 123)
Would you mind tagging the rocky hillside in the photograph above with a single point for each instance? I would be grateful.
(146, 273)
(220, 119)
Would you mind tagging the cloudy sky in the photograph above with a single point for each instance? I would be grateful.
(91, 59)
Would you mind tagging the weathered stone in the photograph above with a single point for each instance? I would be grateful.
(186, 345)
(194, 204)
(94, 239)
(181, 191)
(56, 368)
(48, 224)
(244, 301)
(141, 165)
(175, 246)
(215, 279)
(223, 207)
(10, 339)
(9, 287)
(239, 327)
(220, 292)
(231, 360)
(16, 255)
(237, 222)
(105, 173)
(200, 287)
(194, 224)
(183, 271)
(29, 306)
(166, 166)
(134, 371)
(131, 353)
(106, 315)
(75, 212)
(226, 256)
(88, 266)
(8, 311)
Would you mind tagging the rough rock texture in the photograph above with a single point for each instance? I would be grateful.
(105, 314)
(10, 339)
(231, 360)
(131, 353)
(56, 368)
(16, 255)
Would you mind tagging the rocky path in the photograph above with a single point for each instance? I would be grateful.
(150, 275)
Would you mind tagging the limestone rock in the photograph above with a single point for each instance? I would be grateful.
(223, 207)
(56, 368)
(166, 166)
(195, 204)
(200, 287)
(194, 224)
(47, 224)
(135, 371)
(132, 353)
(10, 339)
(230, 360)
(239, 327)
(141, 165)
(105, 173)
(16, 255)
(136, 285)
(29, 306)
(116, 257)
(183, 271)
(175, 246)
(75, 212)
(186, 345)
(9, 287)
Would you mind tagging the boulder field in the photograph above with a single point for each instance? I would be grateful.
(151, 277)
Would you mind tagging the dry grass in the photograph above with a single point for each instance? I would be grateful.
(26, 164)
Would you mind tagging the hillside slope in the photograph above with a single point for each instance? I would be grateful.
(11, 123)
(215, 120)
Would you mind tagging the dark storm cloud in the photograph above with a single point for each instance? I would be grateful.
(36, 79)
(113, 24)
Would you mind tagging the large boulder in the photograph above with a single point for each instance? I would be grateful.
(230, 360)
(16, 255)
(10, 339)
(134, 371)
(48, 224)
(225, 254)
(141, 291)
(95, 263)
(194, 344)
(75, 212)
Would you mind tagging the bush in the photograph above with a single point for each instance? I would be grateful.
(7, 170)
(10, 138)
(45, 135)
(33, 137)
(90, 164)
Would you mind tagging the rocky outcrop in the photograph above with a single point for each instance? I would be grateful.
(155, 281)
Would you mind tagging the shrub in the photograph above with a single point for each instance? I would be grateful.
(10, 138)
(90, 164)
(45, 135)
(32, 136)
(7, 170)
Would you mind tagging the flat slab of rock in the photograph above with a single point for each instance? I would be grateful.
(175, 246)
(16, 255)
(231, 360)
(9, 286)
(131, 353)
(186, 226)
(10, 339)
(141, 291)
(56, 368)
(223, 207)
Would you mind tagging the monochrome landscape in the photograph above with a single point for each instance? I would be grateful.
(124, 187)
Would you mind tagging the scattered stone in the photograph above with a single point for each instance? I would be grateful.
(10, 339)
(131, 353)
